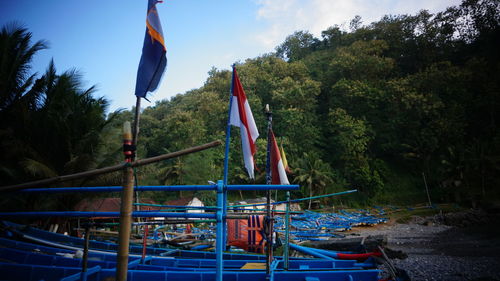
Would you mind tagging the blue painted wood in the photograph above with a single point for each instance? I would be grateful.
(53, 257)
(78, 276)
(309, 251)
(112, 247)
(157, 188)
(136, 214)
(134, 263)
(50, 273)
(219, 242)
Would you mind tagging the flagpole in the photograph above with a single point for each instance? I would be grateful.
(134, 143)
(286, 252)
(226, 158)
(269, 234)
(126, 207)
(228, 129)
(136, 120)
(223, 195)
(151, 68)
(127, 203)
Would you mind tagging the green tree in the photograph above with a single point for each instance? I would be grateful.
(349, 140)
(380, 103)
(17, 52)
(50, 127)
(296, 46)
(312, 173)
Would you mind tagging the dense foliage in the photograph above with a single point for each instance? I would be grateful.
(375, 107)
(49, 126)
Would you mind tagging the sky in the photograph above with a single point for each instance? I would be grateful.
(102, 39)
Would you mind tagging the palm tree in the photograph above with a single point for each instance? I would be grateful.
(173, 173)
(313, 173)
(62, 134)
(48, 127)
(16, 54)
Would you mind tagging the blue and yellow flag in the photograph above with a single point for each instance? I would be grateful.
(154, 58)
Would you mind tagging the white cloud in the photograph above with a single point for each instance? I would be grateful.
(283, 17)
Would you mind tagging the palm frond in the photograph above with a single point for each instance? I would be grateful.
(37, 169)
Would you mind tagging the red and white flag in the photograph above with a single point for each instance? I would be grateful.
(278, 172)
(241, 116)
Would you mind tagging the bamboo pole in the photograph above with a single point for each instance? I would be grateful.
(134, 143)
(125, 224)
(126, 201)
(110, 169)
(136, 120)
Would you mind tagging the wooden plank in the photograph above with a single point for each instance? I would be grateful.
(254, 265)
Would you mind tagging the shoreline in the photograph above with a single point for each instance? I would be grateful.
(436, 251)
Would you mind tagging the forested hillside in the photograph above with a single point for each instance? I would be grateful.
(370, 106)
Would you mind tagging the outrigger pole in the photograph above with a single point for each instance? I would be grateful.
(41, 183)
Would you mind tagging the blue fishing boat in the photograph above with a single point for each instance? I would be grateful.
(28, 261)
(43, 272)
(42, 255)
(74, 243)
(21, 252)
